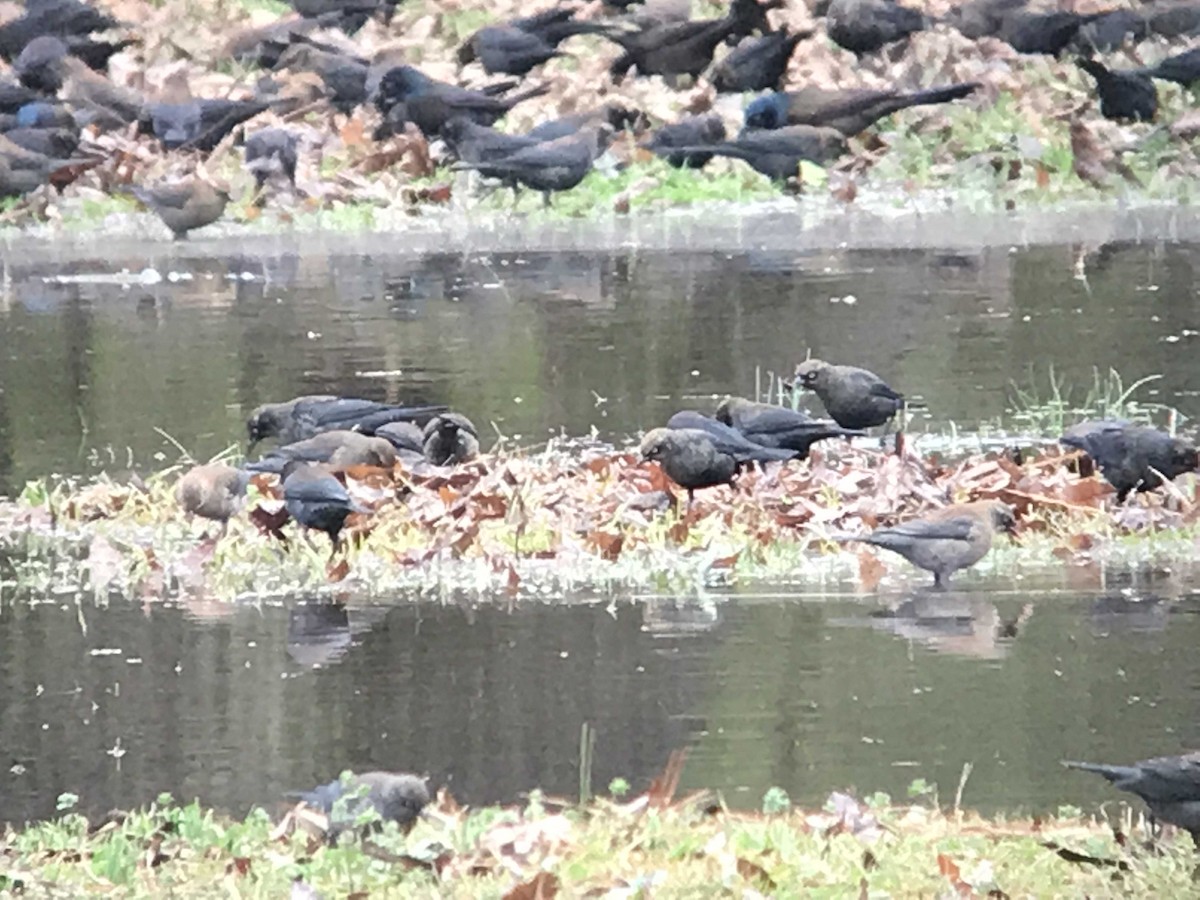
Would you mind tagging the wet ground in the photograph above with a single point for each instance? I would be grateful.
(235, 704)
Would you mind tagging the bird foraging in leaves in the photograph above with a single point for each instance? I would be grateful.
(955, 537)
(449, 439)
(853, 397)
(309, 415)
(336, 448)
(777, 426)
(394, 796)
(317, 500)
(1129, 95)
(214, 491)
(1132, 457)
(1170, 785)
(689, 458)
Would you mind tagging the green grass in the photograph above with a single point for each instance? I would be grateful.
(647, 847)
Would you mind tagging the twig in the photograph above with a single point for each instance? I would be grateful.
(962, 784)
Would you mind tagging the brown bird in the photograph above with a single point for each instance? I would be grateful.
(1093, 161)
(186, 205)
(214, 491)
(335, 448)
(853, 397)
(952, 538)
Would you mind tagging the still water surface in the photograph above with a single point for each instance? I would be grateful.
(236, 704)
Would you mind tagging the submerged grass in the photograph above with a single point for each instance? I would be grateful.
(650, 846)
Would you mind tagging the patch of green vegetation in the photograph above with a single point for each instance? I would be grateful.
(639, 849)
(1050, 407)
(274, 7)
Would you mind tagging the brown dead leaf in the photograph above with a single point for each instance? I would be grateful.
(335, 572)
(607, 544)
(870, 570)
(270, 522)
(756, 875)
(662, 789)
(949, 870)
(239, 864)
(354, 133)
(542, 886)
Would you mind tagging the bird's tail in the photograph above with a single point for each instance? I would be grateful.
(943, 94)
(536, 91)
(1110, 773)
(270, 465)
(1092, 67)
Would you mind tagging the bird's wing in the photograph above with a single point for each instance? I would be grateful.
(323, 490)
(1169, 778)
(772, 421)
(875, 385)
(171, 196)
(957, 528)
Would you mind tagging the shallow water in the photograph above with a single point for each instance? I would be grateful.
(236, 704)
(810, 693)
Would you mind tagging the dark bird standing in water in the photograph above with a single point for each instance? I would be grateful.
(395, 796)
(850, 111)
(214, 491)
(1132, 457)
(1129, 95)
(693, 131)
(185, 206)
(449, 439)
(864, 26)
(949, 539)
(1170, 785)
(853, 397)
(337, 448)
(317, 500)
(757, 63)
(304, 417)
(777, 426)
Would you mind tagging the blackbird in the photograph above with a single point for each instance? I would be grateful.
(184, 206)
(316, 499)
(395, 796)
(518, 45)
(853, 397)
(1182, 68)
(1170, 785)
(1043, 32)
(41, 114)
(23, 171)
(777, 426)
(214, 491)
(729, 440)
(58, 18)
(337, 448)
(757, 63)
(864, 26)
(406, 94)
(690, 458)
(952, 538)
(344, 76)
(449, 439)
(1124, 96)
(54, 143)
(778, 153)
(620, 118)
(477, 145)
(849, 111)
(309, 415)
(197, 124)
(1132, 457)
(406, 438)
(692, 131)
(551, 166)
(271, 151)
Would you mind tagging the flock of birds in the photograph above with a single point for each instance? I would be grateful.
(321, 436)
(58, 86)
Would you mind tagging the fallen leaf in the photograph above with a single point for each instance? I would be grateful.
(542, 886)
(756, 875)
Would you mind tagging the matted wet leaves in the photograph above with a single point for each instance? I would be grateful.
(510, 515)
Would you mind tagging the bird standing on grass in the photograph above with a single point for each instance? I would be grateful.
(1170, 785)
(394, 796)
(214, 491)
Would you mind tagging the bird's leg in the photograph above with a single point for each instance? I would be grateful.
(545, 199)
(940, 582)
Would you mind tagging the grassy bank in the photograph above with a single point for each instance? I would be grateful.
(652, 846)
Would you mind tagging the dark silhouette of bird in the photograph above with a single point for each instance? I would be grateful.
(63, 19)
(197, 124)
(946, 540)
(1170, 786)
(309, 415)
(777, 426)
(23, 171)
(1112, 30)
(849, 111)
(407, 439)
(317, 500)
(618, 117)
(729, 440)
(551, 166)
(683, 48)
(395, 796)
(271, 151)
(42, 114)
(478, 145)
(517, 46)
(54, 143)
(864, 26)
(778, 153)
(1047, 33)
(756, 63)
(853, 397)
(96, 100)
(1182, 68)
(449, 439)
(13, 96)
(406, 94)
(1132, 457)
(1124, 96)
(693, 131)
(1172, 20)
(348, 15)
(214, 491)
(982, 18)
(344, 76)
(690, 458)
(184, 206)
(39, 65)
(336, 448)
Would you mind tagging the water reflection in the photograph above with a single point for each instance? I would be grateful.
(544, 342)
(808, 693)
